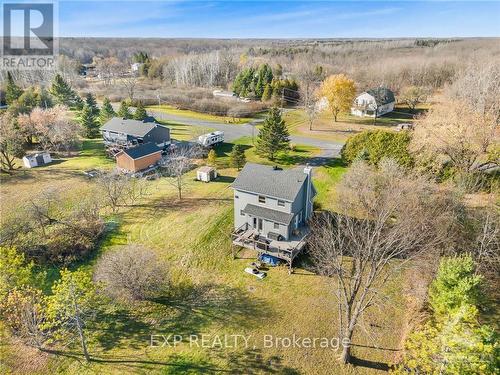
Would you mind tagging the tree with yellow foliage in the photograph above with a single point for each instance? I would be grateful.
(339, 91)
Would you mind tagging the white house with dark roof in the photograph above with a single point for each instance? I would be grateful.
(374, 103)
(271, 209)
(129, 133)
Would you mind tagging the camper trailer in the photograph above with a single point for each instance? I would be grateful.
(211, 139)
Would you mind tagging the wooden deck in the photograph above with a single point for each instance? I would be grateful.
(249, 238)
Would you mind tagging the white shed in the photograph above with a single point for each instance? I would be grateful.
(206, 174)
(37, 159)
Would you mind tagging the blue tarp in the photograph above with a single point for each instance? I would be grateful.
(269, 259)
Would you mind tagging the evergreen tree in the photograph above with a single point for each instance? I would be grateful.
(64, 94)
(106, 112)
(453, 341)
(140, 112)
(89, 122)
(456, 284)
(274, 136)
(124, 111)
(212, 158)
(44, 98)
(237, 158)
(266, 95)
(12, 91)
(92, 103)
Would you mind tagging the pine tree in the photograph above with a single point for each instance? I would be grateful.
(274, 136)
(106, 112)
(237, 158)
(124, 111)
(89, 122)
(12, 91)
(140, 112)
(212, 158)
(92, 103)
(266, 95)
(63, 93)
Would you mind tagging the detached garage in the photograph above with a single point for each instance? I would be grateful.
(138, 158)
(36, 160)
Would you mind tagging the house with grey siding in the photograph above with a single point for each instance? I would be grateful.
(129, 133)
(271, 209)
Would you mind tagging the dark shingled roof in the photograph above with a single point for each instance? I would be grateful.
(263, 179)
(131, 127)
(268, 214)
(142, 150)
(382, 95)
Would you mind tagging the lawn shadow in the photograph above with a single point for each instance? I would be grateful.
(369, 364)
(193, 308)
(251, 361)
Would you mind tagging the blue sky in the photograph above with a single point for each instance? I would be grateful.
(278, 19)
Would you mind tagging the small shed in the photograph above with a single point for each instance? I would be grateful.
(37, 159)
(206, 174)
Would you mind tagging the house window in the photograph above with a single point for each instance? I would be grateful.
(281, 203)
(242, 213)
(276, 226)
(262, 199)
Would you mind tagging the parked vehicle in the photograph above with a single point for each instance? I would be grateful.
(211, 139)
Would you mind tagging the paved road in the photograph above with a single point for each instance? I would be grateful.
(329, 149)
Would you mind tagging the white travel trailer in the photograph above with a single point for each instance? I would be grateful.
(211, 139)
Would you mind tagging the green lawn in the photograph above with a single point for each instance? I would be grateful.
(324, 127)
(182, 132)
(198, 115)
(209, 292)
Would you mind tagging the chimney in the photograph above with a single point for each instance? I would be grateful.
(309, 203)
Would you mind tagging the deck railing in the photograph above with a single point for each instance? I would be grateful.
(262, 246)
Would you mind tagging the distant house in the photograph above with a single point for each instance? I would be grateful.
(374, 103)
(128, 133)
(135, 67)
(138, 158)
(271, 209)
(36, 159)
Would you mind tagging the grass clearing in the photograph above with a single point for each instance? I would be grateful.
(182, 132)
(171, 110)
(325, 128)
(210, 294)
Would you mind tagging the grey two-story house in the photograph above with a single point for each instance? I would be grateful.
(271, 209)
(128, 133)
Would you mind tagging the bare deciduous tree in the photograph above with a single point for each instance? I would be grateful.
(132, 272)
(384, 218)
(24, 310)
(456, 131)
(53, 129)
(479, 86)
(413, 96)
(178, 163)
(130, 82)
(119, 188)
